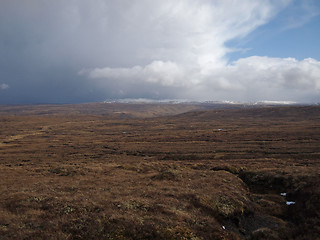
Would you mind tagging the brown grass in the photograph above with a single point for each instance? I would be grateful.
(214, 174)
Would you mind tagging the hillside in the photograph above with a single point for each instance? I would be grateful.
(139, 171)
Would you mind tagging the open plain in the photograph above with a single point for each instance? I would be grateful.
(159, 171)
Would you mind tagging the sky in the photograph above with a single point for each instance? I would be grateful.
(199, 50)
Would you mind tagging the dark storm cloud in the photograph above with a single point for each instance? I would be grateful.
(44, 44)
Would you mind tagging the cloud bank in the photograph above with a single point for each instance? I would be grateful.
(253, 78)
(69, 51)
(192, 56)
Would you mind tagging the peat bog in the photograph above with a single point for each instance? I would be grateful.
(148, 171)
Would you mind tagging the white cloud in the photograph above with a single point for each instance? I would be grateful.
(159, 72)
(187, 32)
(254, 78)
(271, 78)
(4, 86)
(287, 73)
(187, 51)
(182, 44)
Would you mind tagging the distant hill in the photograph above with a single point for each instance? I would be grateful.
(117, 110)
(127, 110)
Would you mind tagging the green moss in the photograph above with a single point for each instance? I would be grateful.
(223, 205)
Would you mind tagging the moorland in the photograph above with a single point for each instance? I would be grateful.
(159, 171)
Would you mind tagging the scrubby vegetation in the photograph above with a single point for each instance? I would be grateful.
(243, 173)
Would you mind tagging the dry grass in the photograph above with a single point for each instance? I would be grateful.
(199, 175)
